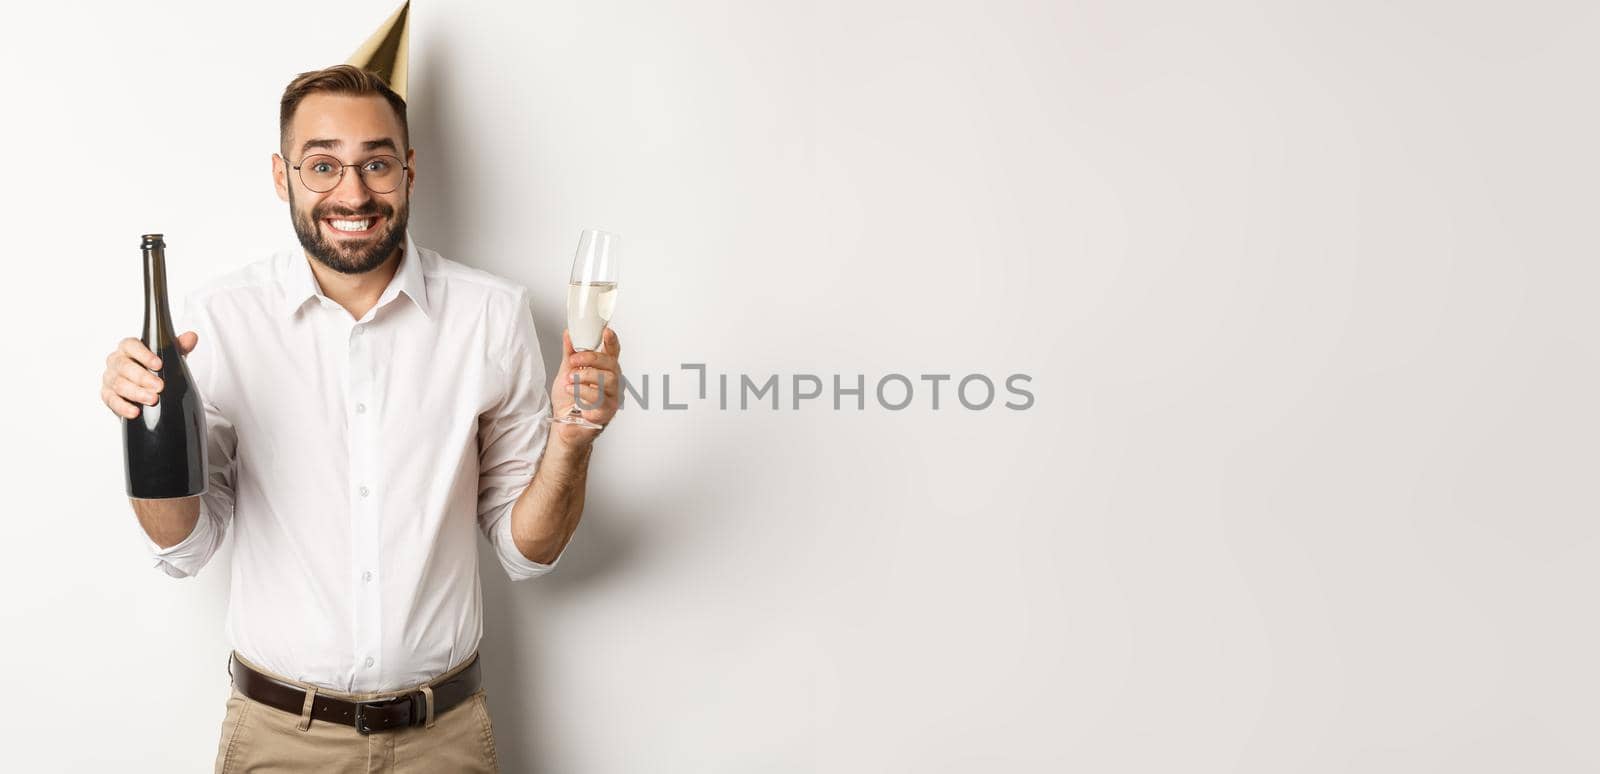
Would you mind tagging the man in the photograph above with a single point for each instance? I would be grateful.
(369, 402)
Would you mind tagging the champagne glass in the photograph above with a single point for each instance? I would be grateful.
(591, 297)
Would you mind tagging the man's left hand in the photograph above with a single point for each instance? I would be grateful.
(599, 377)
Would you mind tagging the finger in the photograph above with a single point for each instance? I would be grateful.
(141, 354)
(601, 377)
(570, 384)
(592, 375)
(119, 406)
(588, 396)
(137, 374)
(133, 393)
(590, 392)
(613, 344)
(594, 396)
(594, 359)
(567, 378)
(187, 341)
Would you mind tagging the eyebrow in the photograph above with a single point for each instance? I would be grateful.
(331, 144)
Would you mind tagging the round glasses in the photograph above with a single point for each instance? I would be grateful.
(321, 173)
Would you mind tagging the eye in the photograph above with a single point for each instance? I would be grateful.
(377, 165)
(322, 167)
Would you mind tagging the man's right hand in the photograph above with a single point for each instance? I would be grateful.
(129, 379)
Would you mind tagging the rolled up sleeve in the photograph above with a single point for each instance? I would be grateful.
(184, 559)
(511, 442)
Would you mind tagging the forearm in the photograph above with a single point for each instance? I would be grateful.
(167, 521)
(547, 513)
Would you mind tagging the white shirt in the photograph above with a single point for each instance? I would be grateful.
(352, 459)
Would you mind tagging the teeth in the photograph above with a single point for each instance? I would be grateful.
(352, 225)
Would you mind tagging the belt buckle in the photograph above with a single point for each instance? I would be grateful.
(361, 713)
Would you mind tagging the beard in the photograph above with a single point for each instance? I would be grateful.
(343, 257)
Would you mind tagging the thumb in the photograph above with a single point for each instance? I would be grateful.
(187, 341)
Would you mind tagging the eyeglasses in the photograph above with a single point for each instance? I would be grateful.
(321, 173)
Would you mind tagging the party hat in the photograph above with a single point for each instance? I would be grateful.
(384, 54)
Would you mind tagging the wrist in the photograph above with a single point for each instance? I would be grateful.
(573, 448)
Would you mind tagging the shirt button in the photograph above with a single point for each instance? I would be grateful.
(369, 662)
(367, 576)
(365, 491)
(361, 408)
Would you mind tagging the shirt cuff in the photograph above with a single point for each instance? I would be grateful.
(185, 557)
(517, 566)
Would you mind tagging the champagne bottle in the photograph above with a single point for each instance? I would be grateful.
(165, 446)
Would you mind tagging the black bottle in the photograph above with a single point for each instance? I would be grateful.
(165, 446)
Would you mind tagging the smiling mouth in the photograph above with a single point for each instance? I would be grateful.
(353, 227)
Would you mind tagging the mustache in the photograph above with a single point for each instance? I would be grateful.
(333, 211)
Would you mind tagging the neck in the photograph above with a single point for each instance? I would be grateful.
(357, 293)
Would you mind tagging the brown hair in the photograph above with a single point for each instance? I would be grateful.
(338, 79)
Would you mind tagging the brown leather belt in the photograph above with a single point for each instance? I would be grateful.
(410, 709)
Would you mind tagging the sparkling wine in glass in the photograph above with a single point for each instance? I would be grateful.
(591, 298)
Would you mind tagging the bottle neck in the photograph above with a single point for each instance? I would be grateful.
(158, 333)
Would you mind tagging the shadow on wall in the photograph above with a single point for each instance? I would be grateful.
(511, 610)
(445, 178)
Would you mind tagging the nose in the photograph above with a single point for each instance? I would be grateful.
(350, 191)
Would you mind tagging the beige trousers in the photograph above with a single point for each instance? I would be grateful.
(259, 738)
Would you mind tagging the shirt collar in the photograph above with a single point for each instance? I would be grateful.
(301, 284)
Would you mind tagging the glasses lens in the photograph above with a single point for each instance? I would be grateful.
(320, 173)
(381, 173)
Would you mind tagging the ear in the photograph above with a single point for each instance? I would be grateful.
(411, 170)
(280, 176)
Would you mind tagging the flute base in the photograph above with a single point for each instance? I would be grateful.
(574, 419)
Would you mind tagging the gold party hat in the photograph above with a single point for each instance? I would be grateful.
(384, 54)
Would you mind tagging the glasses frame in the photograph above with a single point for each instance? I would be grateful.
(343, 166)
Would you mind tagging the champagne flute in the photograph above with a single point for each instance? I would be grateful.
(591, 297)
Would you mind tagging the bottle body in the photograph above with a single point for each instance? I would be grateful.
(164, 448)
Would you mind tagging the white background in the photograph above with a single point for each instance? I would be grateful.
(1306, 292)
